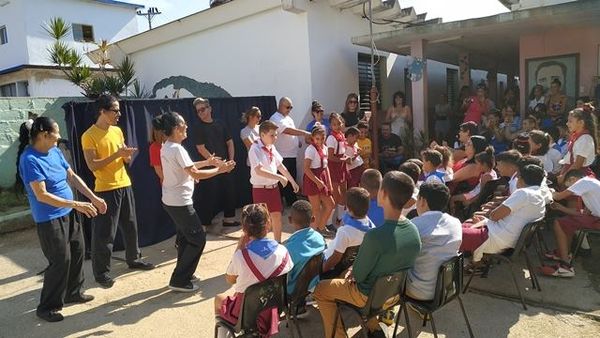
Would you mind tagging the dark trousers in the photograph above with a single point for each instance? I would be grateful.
(288, 191)
(61, 241)
(120, 212)
(216, 191)
(190, 242)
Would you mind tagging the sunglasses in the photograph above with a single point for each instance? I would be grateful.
(353, 102)
(202, 109)
(289, 107)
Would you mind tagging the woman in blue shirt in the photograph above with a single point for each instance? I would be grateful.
(46, 175)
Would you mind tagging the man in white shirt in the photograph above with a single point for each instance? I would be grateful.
(287, 142)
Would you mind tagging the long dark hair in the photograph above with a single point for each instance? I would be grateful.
(541, 138)
(23, 142)
(586, 114)
(166, 122)
(400, 95)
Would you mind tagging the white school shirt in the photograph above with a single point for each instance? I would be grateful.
(352, 151)
(584, 147)
(286, 144)
(588, 188)
(332, 143)
(449, 174)
(526, 205)
(258, 156)
(512, 184)
(177, 185)
(555, 156)
(345, 237)
(414, 197)
(315, 160)
(245, 277)
(546, 162)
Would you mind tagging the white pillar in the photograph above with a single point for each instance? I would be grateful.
(419, 89)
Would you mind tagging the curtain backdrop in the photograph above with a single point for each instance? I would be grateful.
(136, 117)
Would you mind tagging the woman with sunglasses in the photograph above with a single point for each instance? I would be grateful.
(318, 112)
(352, 113)
(249, 134)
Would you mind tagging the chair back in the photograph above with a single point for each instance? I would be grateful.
(526, 236)
(348, 258)
(311, 269)
(449, 281)
(385, 288)
(267, 294)
(487, 192)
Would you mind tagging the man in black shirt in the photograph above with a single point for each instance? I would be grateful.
(213, 139)
(391, 152)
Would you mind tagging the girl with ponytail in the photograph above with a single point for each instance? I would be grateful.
(581, 149)
(539, 145)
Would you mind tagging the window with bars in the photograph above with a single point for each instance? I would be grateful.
(364, 78)
(3, 35)
(452, 86)
(83, 33)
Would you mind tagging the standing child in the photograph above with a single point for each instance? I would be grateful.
(432, 160)
(371, 180)
(317, 181)
(158, 138)
(355, 164)
(336, 154)
(265, 163)
(581, 149)
(364, 143)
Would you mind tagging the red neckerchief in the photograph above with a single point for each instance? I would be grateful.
(266, 150)
(339, 137)
(321, 154)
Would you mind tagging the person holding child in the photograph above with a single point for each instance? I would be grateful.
(265, 166)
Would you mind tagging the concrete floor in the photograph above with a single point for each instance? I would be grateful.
(141, 305)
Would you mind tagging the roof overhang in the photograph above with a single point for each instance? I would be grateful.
(491, 42)
(118, 3)
(15, 69)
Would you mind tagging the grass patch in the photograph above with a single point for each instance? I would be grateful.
(9, 200)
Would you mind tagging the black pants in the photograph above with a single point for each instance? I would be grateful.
(288, 191)
(120, 212)
(190, 242)
(216, 191)
(61, 240)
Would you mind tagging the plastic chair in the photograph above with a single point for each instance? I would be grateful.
(386, 287)
(510, 255)
(311, 269)
(347, 260)
(269, 293)
(580, 236)
(487, 193)
(447, 288)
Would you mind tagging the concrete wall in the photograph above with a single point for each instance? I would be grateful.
(13, 112)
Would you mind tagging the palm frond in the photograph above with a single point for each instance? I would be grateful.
(57, 28)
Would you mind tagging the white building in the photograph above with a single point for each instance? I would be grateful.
(24, 66)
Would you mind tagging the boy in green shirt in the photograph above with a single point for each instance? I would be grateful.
(390, 248)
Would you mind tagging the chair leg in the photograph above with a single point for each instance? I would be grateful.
(462, 307)
(532, 274)
(580, 237)
(365, 328)
(433, 326)
(289, 323)
(538, 246)
(216, 331)
(514, 278)
(468, 283)
(405, 309)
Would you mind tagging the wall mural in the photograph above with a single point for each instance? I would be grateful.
(544, 70)
(183, 86)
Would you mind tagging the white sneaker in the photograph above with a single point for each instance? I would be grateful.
(559, 270)
(190, 287)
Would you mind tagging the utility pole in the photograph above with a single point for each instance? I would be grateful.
(152, 11)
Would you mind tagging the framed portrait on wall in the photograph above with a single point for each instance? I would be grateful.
(544, 70)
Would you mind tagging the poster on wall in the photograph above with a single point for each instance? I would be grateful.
(544, 70)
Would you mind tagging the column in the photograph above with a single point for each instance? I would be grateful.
(419, 90)
(464, 69)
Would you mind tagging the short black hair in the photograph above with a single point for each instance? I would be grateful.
(529, 159)
(362, 125)
(357, 201)
(371, 180)
(399, 188)
(436, 194)
(433, 156)
(532, 174)
(352, 131)
(301, 213)
(411, 169)
(510, 157)
(470, 127)
(576, 173)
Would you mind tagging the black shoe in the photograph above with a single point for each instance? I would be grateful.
(106, 282)
(79, 298)
(231, 224)
(50, 316)
(189, 287)
(141, 265)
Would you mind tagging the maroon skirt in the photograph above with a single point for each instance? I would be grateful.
(270, 197)
(338, 171)
(354, 176)
(310, 188)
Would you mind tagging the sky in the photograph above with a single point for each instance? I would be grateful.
(448, 10)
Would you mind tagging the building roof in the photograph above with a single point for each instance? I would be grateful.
(118, 3)
(492, 42)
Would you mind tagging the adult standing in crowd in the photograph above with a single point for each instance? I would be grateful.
(212, 139)
(318, 113)
(478, 105)
(46, 174)
(536, 97)
(249, 134)
(287, 143)
(399, 114)
(106, 154)
(351, 113)
(556, 101)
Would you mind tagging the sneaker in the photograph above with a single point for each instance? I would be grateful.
(194, 278)
(553, 256)
(141, 265)
(51, 316)
(331, 228)
(558, 270)
(189, 287)
(106, 282)
(79, 299)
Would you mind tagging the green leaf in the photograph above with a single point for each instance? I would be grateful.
(57, 28)
(126, 71)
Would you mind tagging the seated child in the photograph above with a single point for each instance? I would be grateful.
(485, 163)
(256, 259)
(371, 181)
(350, 234)
(586, 216)
(432, 160)
(355, 162)
(413, 170)
(502, 230)
(446, 165)
(364, 143)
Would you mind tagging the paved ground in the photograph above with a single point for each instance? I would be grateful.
(140, 304)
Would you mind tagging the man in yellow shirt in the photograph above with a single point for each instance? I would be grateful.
(106, 154)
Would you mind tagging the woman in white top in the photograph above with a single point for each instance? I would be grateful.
(249, 134)
(581, 149)
(539, 144)
(536, 97)
(179, 173)
(399, 115)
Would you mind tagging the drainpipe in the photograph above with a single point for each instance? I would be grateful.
(291, 6)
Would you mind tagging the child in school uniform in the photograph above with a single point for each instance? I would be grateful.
(432, 159)
(446, 165)
(355, 161)
(364, 143)
(336, 155)
(371, 180)
(581, 149)
(485, 163)
(265, 163)
(355, 225)
(413, 170)
(317, 181)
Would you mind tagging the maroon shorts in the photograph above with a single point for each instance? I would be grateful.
(309, 188)
(231, 307)
(270, 197)
(338, 172)
(472, 238)
(570, 224)
(354, 176)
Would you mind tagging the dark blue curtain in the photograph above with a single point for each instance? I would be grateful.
(154, 224)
